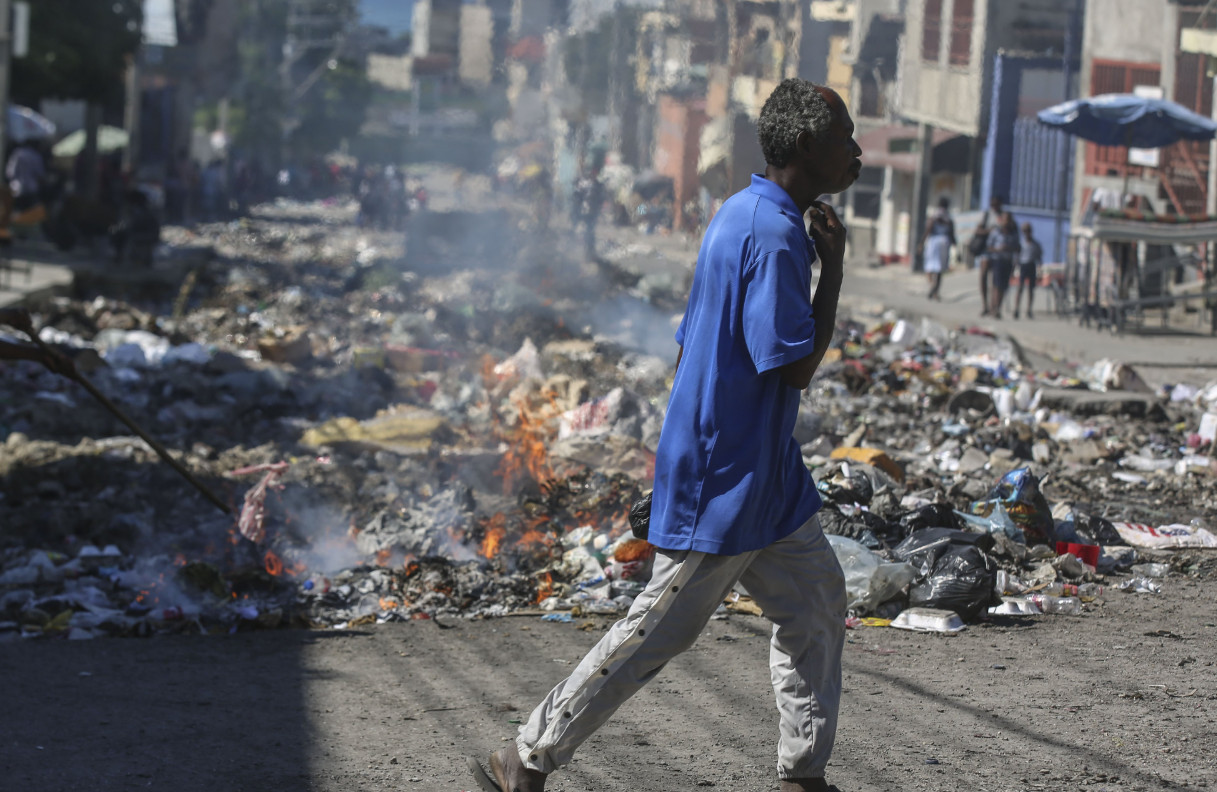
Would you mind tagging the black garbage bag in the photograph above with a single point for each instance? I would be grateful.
(954, 570)
(1093, 529)
(855, 526)
(933, 515)
(640, 516)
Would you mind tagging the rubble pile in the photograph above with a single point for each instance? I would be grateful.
(465, 437)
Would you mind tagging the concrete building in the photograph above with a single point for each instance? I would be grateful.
(677, 148)
(871, 56)
(824, 44)
(476, 50)
(1137, 46)
(394, 72)
(948, 82)
(436, 28)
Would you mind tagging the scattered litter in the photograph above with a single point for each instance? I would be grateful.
(929, 620)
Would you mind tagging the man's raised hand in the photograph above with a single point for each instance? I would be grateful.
(829, 234)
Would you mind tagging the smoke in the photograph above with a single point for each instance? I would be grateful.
(635, 325)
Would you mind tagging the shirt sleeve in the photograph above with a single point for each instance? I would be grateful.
(778, 323)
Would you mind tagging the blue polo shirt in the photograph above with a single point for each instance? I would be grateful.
(729, 477)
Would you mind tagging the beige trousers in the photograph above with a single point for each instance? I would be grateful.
(799, 585)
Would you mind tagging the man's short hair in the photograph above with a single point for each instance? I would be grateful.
(795, 106)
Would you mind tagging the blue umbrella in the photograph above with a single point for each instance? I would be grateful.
(1129, 120)
(24, 124)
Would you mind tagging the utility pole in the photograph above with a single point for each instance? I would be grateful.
(921, 191)
(1072, 31)
(6, 64)
(131, 113)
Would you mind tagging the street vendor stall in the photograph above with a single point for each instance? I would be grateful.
(1127, 263)
(1119, 265)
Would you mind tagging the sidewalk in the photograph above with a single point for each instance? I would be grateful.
(36, 269)
(896, 288)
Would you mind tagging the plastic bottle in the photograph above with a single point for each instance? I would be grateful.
(1070, 606)
(1086, 592)
(1089, 592)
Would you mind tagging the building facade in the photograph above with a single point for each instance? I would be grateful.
(1136, 46)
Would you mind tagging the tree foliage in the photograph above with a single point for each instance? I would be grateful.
(275, 112)
(78, 50)
(333, 110)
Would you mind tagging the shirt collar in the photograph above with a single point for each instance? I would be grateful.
(771, 192)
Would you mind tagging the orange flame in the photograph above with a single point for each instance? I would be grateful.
(388, 604)
(534, 537)
(273, 563)
(527, 444)
(383, 556)
(493, 541)
(545, 587)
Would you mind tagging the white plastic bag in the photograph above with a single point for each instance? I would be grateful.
(869, 579)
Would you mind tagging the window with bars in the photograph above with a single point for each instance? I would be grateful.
(962, 15)
(1116, 77)
(931, 31)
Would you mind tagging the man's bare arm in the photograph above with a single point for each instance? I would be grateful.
(829, 234)
(824, 307)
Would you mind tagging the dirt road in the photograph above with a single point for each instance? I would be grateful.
(1123, 698)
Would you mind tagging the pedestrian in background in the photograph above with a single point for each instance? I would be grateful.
(1030, 257)
(936, 246)
(978, 246)
(26, 172)
(1002, 251)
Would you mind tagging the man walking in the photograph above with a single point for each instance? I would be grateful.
(732, 500)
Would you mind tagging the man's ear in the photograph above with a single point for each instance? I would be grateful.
(805, 143)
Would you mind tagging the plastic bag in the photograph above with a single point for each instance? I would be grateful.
(998, 521)
(870, 580)
(954, 571)
(1018, 492)
(640, 516)
(933, 515)
(1077, 526)
(864, 527)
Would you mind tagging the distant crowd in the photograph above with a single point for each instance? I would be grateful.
(999, 249)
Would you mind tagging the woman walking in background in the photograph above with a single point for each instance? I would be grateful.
(936, 246)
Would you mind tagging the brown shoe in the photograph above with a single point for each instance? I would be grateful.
(806, 785)
(509, 773)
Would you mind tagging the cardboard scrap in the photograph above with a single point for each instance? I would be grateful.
(870, 456)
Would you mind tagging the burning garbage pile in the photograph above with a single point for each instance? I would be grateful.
(459, 442)
(395, 445)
